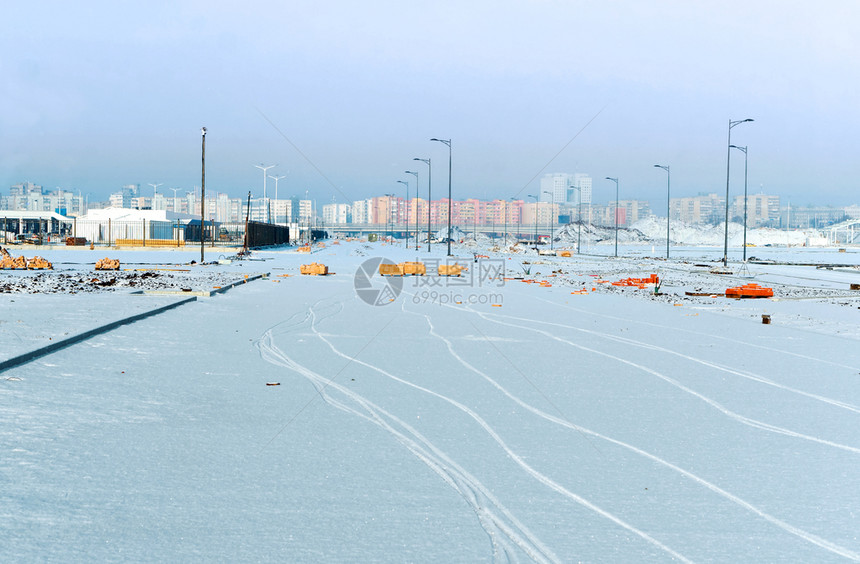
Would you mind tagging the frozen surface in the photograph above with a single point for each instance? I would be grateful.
(525, 423)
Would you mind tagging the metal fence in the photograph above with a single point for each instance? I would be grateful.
(144, 233)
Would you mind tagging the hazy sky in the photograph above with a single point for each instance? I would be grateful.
(342, 95)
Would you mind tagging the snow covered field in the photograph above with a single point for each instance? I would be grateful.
(462, 420)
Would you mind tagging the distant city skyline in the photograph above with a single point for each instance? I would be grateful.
(343, 96)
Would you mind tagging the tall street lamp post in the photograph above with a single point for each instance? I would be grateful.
(390, 220)
(448, 142)
(615, 180)
(406, 245)
(668, 184)
(536, 218)
(744, 149)
(429, 188)
(579, 227)
(202, 190)
(551, 216)
(506, 223)
(415, 174)
(728, 164)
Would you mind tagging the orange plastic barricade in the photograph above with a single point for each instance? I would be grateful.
(412, 268)
(749, 291)
(315, 269)
(388, 269)
(450, 270)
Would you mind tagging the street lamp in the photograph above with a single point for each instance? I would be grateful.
(536, 218)
(744, 149)
(579, 227)
(506, 223)
(448, 142)
(429, 186)
(389, 221)
(264, 168)
(551, 216)
(405, 183)
(668, 183)
(615, 180)
(728, 164)
(276, 178)
(415, 174)
(202, 190)
(175, 206)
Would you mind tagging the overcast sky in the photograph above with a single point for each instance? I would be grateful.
(343, 95)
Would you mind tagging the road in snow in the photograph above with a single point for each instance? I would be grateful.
(613, 425)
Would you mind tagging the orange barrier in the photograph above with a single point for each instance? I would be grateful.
(450, 270)
(306, 249)
(564, 253)
(387, 269)
(149, 243)
(413, 268)
(749, 291)
(315, 269)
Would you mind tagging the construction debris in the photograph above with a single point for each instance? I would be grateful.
(38, 263)
(640, 283)
(7, 262)
(107, 264)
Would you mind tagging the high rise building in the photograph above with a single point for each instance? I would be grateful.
(557, 184)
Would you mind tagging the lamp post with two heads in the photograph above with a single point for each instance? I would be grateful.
(615, 180)
(415, 174)
(668, 184)
(536, 218)
(429, 187)
(728, 165)
(448, 142)
(405, 183)
(744, 149)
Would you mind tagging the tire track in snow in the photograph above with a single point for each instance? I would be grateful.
(710, 336)
(743, 374)
(504, 529)
(545, 480)
(809, 537)
(713, 403)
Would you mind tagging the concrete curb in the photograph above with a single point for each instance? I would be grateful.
(202, 293)
(53, 347)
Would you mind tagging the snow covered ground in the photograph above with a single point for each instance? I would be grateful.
(479, 419)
